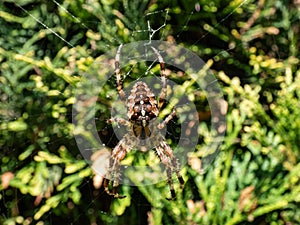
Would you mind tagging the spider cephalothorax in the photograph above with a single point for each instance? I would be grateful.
(144, 128)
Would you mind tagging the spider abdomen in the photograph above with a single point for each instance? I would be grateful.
(142, 107)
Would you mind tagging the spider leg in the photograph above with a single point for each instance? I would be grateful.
(118, 153)
(163, 94)
(118, 75)
(166, 161)
(174, 162)
(119, 121)
(167, 119)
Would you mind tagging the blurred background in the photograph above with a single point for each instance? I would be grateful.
(252, 49)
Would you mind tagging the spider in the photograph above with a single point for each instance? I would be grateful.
(142, 111)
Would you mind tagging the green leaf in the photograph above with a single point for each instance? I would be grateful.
(50, 158)
(52, 202)
(28, 151)
(17, 126)
(73, 167)
(119, 205)
(68, 181)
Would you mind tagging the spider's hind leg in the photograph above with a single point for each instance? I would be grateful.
(119, 152)
(174, 162)
(166, 155)
(166, 161)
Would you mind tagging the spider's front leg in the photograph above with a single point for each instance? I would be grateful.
(118, 153)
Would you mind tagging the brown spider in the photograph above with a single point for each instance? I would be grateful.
(142, 112)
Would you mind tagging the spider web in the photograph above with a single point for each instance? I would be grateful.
(151, 32)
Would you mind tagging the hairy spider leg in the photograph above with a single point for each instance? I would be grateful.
(165, 152)
(166, 161)
(119, 121)
(174, 162)
(119, 88)
(167, 119)
(166, 155)
(118, 154)
(163, 94)
(118, 75)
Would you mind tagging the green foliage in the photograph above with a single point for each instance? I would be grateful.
(252, 47)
